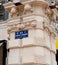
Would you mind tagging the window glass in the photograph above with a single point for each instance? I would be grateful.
(52, 2)
(5, 17)
(3, 13)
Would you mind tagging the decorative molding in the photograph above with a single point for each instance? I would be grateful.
(37, 2)
(49, 28)
(13, 9)
(22, 26)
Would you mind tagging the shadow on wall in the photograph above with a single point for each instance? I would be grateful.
(57, 57)
(57, 51)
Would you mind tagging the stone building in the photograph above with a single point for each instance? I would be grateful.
(37, 18)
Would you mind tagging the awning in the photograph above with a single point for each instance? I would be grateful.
(1, 43)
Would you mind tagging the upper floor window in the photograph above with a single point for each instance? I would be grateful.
(3, 13)
(15, 1)
(5, 1)
(52, 2)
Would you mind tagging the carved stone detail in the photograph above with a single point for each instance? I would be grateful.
(49, 28)
(21, 26)
(14, 10)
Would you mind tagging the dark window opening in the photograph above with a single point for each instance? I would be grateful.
(57, 56)
(3, 13)
(3, 52)
(9, 0)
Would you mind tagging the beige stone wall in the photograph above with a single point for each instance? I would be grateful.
(33, 49)
(3, 34)
(39, 46)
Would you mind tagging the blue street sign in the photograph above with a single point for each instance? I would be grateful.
(21, 34)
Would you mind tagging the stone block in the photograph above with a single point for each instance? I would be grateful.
(53, 45)
(47, 57)
(28, 41)
(14, 43)
(32, 55)
(35, 37)
(39, 22)
(39, 37)
(47, 39)
(27, 55)
(12, 36)
(53, 58)
(14, 57)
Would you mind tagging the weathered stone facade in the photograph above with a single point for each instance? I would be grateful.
(39, 47)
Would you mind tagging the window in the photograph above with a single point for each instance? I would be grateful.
(5, 16)
(3, 52)
(52, 2)
(9, 0)
(15, 1)
(3, 13)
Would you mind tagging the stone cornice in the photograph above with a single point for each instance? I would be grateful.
(19, 10)
(30, 16)
(22, 26)
(32, 45)
(45, 2)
